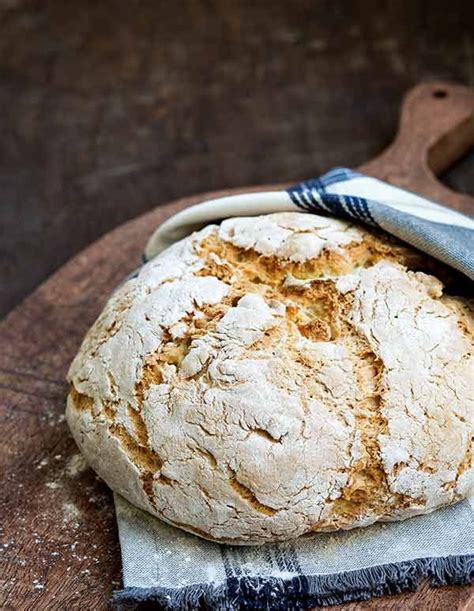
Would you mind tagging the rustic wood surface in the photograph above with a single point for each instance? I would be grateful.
(435, 129)
(110, 108)
(58, 541)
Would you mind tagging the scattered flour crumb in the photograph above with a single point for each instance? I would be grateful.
(70, 512)
(37, 585)
(75, 465)
(52, 485)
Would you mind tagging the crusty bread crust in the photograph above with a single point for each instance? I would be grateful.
(277, 376)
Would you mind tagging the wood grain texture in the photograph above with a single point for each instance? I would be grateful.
(59, 543)
(436, 128)
(111, 108)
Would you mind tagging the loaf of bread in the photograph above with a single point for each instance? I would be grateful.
(278, 376)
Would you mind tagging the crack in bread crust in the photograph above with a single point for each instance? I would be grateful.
(260, 381)
(145, 458)
(81, 401)
(248, 495)
(367, 490)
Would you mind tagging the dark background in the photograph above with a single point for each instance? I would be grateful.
(110, 108)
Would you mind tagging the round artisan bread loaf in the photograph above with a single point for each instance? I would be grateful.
(277, 376)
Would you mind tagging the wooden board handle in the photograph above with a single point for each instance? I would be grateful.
(436, 128)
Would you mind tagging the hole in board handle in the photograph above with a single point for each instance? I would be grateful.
(440, 93)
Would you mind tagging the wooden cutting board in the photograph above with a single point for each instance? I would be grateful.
(59, 547)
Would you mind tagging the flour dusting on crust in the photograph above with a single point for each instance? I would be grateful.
(277, 376)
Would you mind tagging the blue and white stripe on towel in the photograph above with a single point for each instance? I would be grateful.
(441, 232)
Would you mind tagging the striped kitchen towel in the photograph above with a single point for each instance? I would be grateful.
(441, 232)
(167, 568)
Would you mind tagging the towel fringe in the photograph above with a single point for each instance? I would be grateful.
(302, 592)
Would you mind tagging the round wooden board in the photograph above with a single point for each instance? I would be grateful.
(59, 546)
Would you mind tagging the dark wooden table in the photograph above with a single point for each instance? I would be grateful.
(111, 108)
